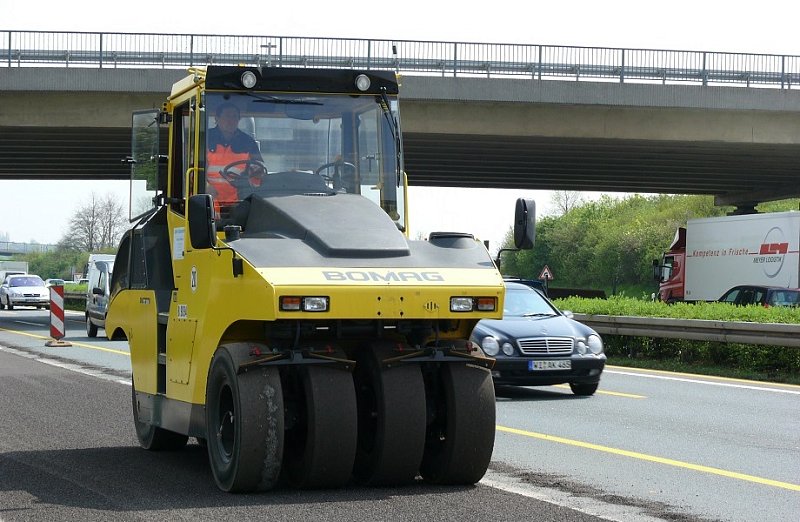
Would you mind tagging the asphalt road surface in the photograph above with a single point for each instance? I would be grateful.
(648, 445)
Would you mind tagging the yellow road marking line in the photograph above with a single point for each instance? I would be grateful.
(652, 458)
(700, 376)
(604, 392)
(74, 343)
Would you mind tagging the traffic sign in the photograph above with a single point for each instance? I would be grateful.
(546, 274)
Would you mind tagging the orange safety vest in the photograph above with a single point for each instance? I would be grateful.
(217, 159)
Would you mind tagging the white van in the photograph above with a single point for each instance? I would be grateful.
(99, 273)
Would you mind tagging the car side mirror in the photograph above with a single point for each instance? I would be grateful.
(97, 291)
(202, 229)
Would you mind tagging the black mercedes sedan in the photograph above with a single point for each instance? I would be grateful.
(536, 344)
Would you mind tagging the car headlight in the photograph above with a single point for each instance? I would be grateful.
(595, 344)
(490, 346)
(508, 349)
(580, 344)
(14, 293)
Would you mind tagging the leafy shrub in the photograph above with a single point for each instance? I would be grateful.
(626, 306)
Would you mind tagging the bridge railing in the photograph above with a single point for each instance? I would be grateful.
(459, 59)
(8, 248)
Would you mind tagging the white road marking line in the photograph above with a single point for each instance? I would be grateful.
(67, 366)
(710, 383)
(588, 505)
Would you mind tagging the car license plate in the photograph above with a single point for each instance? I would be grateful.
(549, 365)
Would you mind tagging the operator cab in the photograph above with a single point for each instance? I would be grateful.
(319, 134)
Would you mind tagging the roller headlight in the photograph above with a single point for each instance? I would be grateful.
(490, 346)
(595, 344)
(460, 304)
(470, 304)
(508, 349)
(580, 345)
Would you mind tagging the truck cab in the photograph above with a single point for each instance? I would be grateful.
(669, 271)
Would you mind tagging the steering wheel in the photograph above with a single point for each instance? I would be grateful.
(246, 171)
(336, 178)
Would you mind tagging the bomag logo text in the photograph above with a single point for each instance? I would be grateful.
(380, 277)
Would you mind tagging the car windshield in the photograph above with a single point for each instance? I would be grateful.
(526, 303)
(26, 281)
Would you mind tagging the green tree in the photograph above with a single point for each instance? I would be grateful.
(565, 200)
(60, 263)
(95, 226)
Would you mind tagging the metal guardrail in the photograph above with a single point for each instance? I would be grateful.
(695, 329)
(458, 59)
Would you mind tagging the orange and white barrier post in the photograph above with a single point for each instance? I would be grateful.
(57, 329)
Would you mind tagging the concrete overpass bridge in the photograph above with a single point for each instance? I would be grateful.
(474, 115)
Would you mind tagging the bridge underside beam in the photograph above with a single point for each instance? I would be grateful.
(758, 196)
(734, 172)
(603, 165)
(64, 153)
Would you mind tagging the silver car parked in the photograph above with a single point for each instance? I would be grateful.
(24, 290)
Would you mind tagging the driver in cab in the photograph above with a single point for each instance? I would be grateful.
(233, 159)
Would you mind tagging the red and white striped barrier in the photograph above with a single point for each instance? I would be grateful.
(57, 329)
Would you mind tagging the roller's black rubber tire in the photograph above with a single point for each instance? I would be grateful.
(460, 440)
(391, 419)
(321, 444)
(152, 437)
(244, 423)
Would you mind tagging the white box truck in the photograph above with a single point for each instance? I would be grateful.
(711, 255)
(12, 268)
